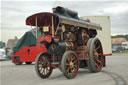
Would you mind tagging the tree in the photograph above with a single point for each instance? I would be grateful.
(121, 36)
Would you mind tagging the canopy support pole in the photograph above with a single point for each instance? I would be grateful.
(53, 27)
(36, 28)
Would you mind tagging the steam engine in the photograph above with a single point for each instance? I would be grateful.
(67, 43)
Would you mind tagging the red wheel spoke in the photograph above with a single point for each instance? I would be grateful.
(98, 47)
(68, 59)
(96, 43)
(74, 66)
(73, 58)
(97, 66)
(98, 61)
(68, 69)
(75, 61)
(71, 70)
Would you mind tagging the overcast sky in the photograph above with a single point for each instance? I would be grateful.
(14, 13)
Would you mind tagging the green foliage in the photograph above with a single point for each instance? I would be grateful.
(120, 36)
(125, 51)
(122, 51)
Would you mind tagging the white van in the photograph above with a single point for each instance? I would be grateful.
(125, 45)
(2, 54)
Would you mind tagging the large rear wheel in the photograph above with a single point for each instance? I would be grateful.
(70, 64)
(43, 65)
(95, 61)
(88, 62)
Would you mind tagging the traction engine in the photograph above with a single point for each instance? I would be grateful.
(69, 43)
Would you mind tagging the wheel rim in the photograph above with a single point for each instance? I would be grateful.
(98, 55)
(71, 65)
(16, 61)
(44, 66)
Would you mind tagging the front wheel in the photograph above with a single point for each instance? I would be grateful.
(43, 66)
(70, 64)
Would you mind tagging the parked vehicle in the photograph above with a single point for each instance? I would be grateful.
(2, 54)
(118, 49)
(25, 49)
(26, 54)
(125, 45)
(114, 49)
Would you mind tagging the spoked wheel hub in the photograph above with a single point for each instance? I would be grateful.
(71, 64)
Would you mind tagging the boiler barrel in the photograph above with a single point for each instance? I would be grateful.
(61, 47)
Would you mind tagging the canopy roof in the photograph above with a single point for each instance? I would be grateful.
(43, 19)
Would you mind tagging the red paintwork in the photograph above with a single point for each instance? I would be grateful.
(88, 20)
(108, 54)
(29, 54)
(44, 38)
